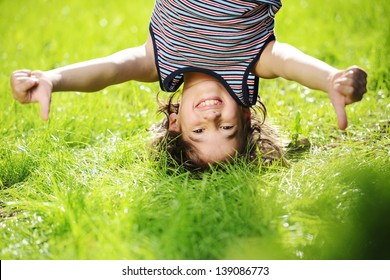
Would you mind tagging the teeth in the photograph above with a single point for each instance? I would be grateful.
(209, 103)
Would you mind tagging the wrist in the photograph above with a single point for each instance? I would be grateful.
(332, 76)
(50, 78)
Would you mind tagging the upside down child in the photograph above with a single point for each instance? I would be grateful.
(216, 50)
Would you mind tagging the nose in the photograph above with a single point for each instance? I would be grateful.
(212, 115)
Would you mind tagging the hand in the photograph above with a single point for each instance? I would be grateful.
(347, 86)
(32, 87)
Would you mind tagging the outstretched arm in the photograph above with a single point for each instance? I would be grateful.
(130, 64)
(343, 86)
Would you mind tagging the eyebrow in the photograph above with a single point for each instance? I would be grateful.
(229, 137)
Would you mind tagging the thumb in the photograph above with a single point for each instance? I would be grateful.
(45, 108)
(339, 107)
(43, 96)
(30, 83)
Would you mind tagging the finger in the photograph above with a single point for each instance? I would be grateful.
(22, 89)
(25, 83)
(20, 74)
(339, 107)
(344, 89)
(44, 102)
(25, 72)
(357, 70)
(350, 88)
(341, 117)
(358, 77)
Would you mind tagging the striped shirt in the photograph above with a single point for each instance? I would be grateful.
(222, 38)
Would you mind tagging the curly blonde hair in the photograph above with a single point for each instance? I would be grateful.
(260, 143)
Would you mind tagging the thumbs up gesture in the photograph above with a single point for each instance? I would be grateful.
(32, 87)
(347, 86)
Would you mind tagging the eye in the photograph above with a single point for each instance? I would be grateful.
(198, 131)
(227, 127)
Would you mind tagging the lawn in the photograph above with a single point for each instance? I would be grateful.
(82, 185)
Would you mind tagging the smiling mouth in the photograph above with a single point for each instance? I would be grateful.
(208, 103)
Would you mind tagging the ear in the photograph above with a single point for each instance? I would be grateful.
(173, 123)
(247, 114)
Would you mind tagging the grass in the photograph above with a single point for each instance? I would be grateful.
(82, 186)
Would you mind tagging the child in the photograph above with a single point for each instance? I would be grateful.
(218, 49)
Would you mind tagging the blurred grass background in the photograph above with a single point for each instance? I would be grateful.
(82, 186)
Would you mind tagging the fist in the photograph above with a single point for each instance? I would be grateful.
(347, 86)
(32, 87)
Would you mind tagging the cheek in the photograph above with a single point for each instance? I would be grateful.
(235, 109)
(236, 116)
(188, 119)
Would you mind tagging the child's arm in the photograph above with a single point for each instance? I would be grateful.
(130, 64)
(343, 86)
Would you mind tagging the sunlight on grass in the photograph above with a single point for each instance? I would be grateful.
(83, 184)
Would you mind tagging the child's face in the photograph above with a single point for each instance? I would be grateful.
(211, 121)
